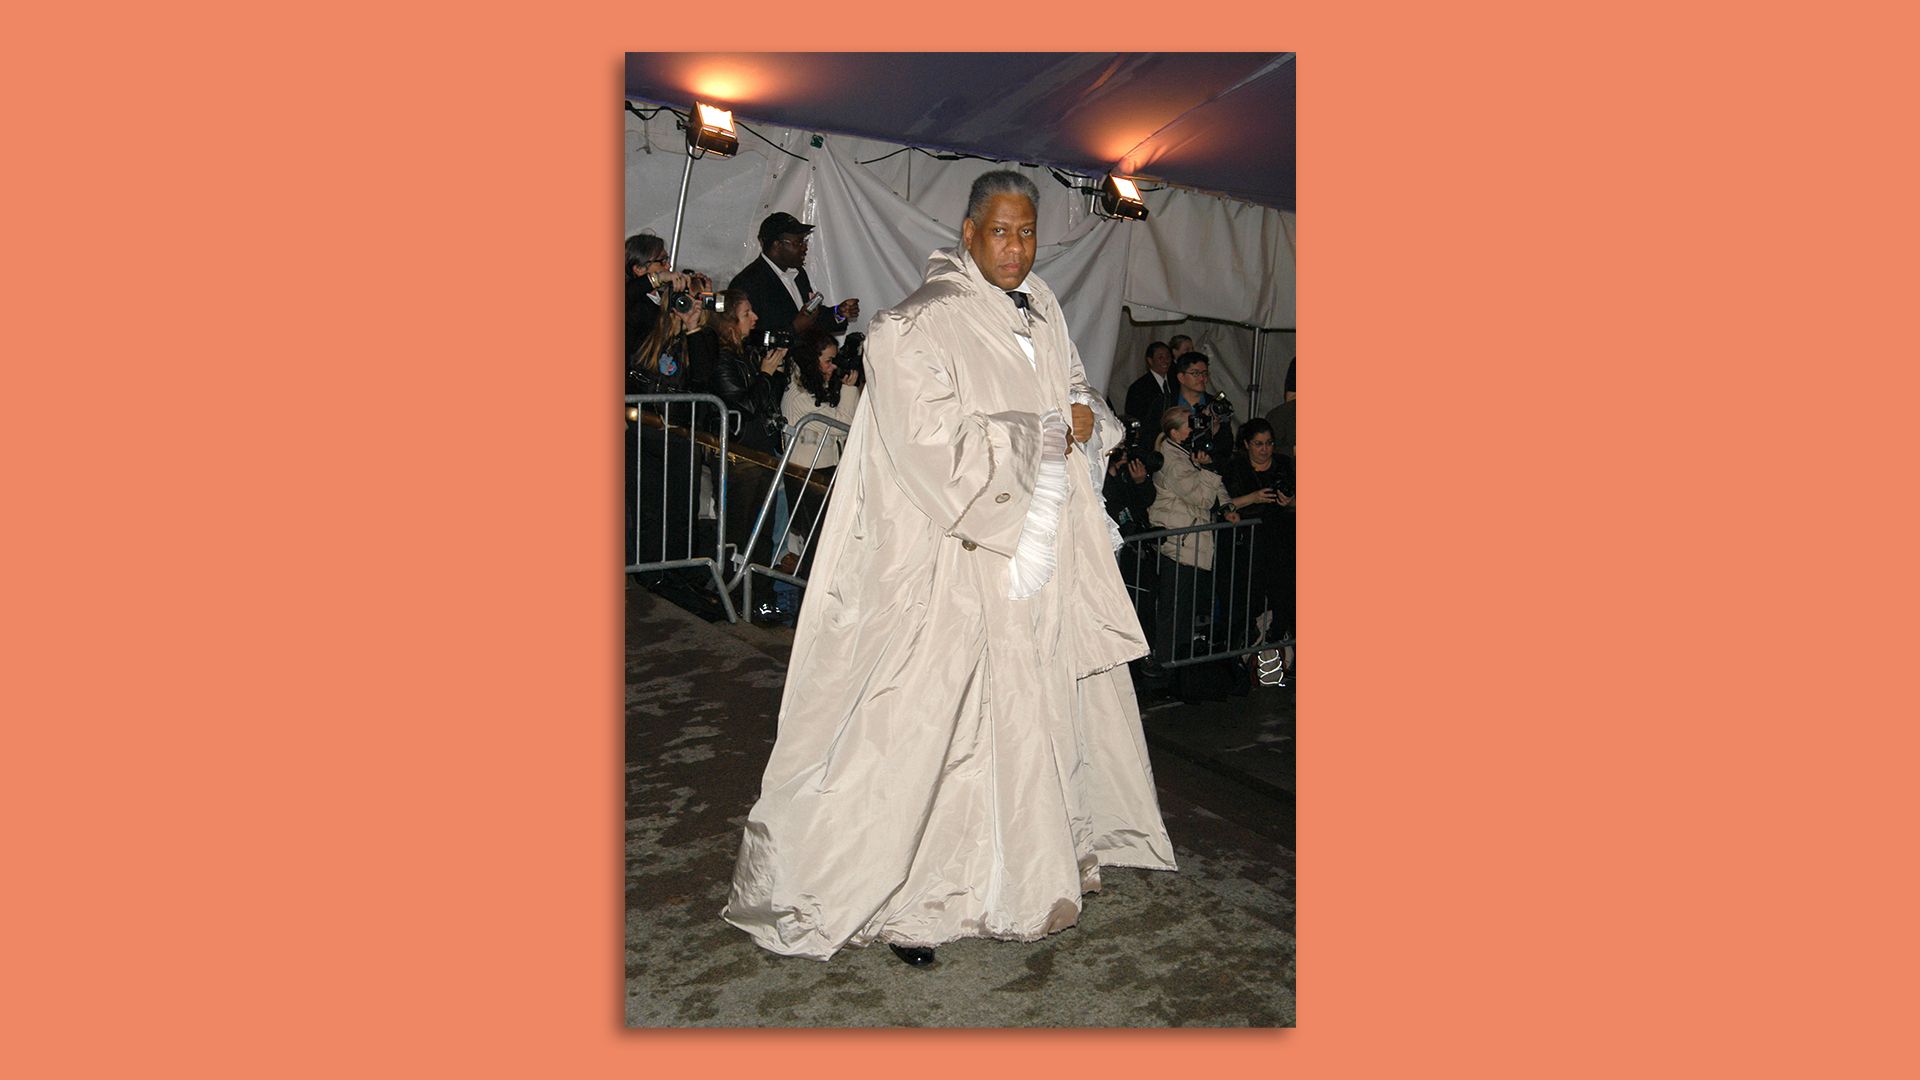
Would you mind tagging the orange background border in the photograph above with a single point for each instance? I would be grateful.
(315, 756)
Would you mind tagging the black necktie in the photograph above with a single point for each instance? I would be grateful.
(1019, 299)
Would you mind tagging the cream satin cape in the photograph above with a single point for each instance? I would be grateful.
(950, 762)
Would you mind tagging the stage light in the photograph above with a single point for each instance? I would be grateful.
(1119, 197)
(711, 131)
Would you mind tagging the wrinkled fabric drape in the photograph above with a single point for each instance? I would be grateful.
(951, 762)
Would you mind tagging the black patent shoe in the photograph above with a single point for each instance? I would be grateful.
(912, 955)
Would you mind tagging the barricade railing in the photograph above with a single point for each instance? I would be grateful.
(674, 442)
(1189, 614)
(797, 468)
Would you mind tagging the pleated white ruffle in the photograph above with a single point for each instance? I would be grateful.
(1033, 556)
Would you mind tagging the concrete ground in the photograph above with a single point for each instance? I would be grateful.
(1208, 946)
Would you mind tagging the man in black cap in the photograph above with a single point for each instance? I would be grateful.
(777, 282)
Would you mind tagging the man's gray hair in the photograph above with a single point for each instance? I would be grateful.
(999, 182)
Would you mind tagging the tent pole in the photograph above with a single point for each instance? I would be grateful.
(1253, 388)
(673, 249)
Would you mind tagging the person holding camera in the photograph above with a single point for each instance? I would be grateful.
(749, 376)
(663, 362)
(751, 379)
(1186, 493)
(1129, 488)
(1260, 481)
(650, 282)
(646, 262)
(777, 282)
(1211, 416)
(821, 383)
(668, 359)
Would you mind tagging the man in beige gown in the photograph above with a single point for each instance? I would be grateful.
(959, 747)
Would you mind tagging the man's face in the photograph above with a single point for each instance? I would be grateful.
(1194, 379)
(1159, 360)
(658, 262)
(1182, 347)
(1002, 241)
(789, 252)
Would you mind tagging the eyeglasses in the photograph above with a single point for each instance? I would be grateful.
(1196, 371)
(1258, 445)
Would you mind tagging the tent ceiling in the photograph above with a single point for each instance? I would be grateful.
(1219, 122)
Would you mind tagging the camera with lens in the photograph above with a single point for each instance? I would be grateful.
(768, 340)
(684, 302)
(1138, 447)
(852, 355)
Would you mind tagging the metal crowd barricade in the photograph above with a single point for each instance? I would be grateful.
(828, 428)
(1219, 614)
(672, 450)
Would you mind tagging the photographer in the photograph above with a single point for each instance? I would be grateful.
(1128, 489)
(663, 362)
(1261, 483)
(648, 276)
(746, 375)
(666, 360)
(826, 379)
(1186, 493)
(1212, 416)
(751, 379)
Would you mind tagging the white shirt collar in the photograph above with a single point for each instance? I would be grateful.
(788, 274)
(789, 278)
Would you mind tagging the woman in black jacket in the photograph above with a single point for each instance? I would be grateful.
(751, 382)
(661, 482)
(1260, 482)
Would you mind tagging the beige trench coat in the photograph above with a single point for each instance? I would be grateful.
(1185, 494)
(950, 762)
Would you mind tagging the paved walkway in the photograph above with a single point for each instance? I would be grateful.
(1209, 945)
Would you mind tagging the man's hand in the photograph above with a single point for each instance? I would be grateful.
(1082, 423)
(1137, 469)
(848, 310)
(804, 321)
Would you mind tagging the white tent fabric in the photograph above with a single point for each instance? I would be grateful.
(1196, 254)
(876, 261)
(1214, 258)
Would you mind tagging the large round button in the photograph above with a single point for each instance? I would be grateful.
(968, 544)
(1002, 497)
